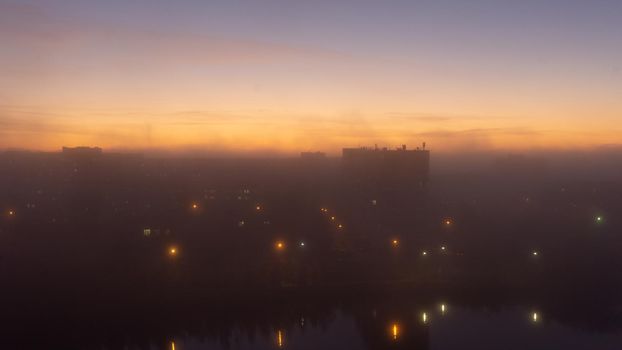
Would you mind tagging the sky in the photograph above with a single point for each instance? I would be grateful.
(284, 76)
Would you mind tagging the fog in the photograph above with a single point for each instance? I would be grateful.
(146, 246)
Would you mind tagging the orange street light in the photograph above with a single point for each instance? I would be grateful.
(172, 251)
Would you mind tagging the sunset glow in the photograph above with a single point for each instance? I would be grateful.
(209, 77)
(311, 174)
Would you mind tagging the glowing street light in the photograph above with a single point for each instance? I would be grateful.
(443, 248)
(258, 207)
(332, 218)
(447, 222)
(340, 226)
(172, 251)
(424, 253)
(172, 345)
(599, 219)
(302, 244)
(443, 308)
(280, 245)
(195, 206)
(535, 317)
(424, 317)
(11, 212)
(535, 253)
(395, 242)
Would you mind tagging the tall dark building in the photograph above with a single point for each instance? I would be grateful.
(387, 168)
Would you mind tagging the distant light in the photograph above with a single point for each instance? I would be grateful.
(172, 345)
(340, 226)
(332, 218)
(280, 245)
(395, 242)
(172, 251)
(443, 309)
(534, 253)
(447, 222)
(424, 317)
(424, 253)
(258, 208)
(443, 248)
(302, 244)
(11, 212)
(195, 206)
(599, 219)
(535, 317)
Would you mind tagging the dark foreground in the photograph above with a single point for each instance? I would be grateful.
(393, 318)
(140, 253)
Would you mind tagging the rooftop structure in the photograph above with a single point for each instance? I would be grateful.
(378, 166)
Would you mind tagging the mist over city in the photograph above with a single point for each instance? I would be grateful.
(310, 175)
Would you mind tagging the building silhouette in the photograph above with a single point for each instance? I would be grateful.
(387, 168)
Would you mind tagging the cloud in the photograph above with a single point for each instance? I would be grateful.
(439, 117)
(242, 130)
(29, 26)
(482, 132)
(42, 130)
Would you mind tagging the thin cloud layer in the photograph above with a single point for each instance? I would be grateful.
(236, 77)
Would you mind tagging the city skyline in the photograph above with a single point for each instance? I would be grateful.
(283, 77)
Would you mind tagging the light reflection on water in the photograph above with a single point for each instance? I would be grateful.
(463, 328)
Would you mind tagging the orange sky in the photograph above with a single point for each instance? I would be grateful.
(76, 75)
